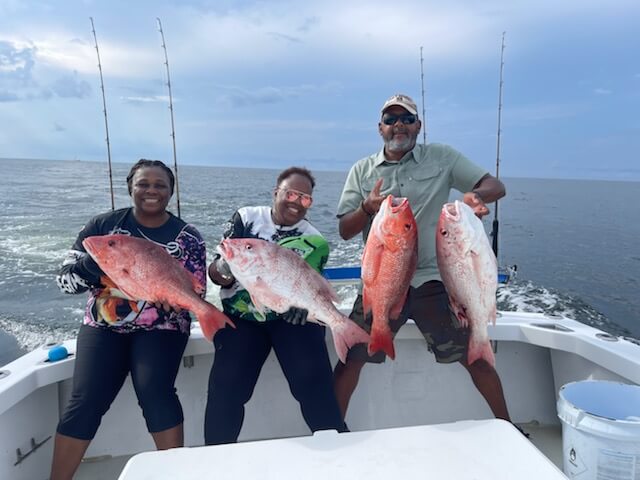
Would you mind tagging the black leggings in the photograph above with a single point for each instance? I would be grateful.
(239, 357)
(103, 360)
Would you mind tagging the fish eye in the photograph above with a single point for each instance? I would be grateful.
(247, 247)
(444, 233)
(407, 226)
(111, 243)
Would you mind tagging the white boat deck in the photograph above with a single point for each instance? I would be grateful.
(547, 439)
(535, 356)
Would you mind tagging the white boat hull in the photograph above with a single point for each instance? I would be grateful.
(535, 356)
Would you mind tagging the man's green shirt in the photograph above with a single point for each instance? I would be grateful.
(425, 176)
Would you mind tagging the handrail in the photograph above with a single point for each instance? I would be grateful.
(351, 274)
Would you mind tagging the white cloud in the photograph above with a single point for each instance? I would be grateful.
(239, 97)
(70, 86)
(602, 91)
(146, 99)
(251, 35)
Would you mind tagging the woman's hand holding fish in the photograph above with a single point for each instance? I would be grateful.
(296, 316)
(476, 203)
(166, 307)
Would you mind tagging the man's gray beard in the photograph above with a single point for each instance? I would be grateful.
(399, 145)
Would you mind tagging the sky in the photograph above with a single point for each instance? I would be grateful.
(278, 83)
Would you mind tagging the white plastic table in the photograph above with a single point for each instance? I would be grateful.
(478, 450)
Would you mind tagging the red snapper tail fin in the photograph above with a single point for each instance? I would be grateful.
(346, 334)
(211, 319)
(381, 339)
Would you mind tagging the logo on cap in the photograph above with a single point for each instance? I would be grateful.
(403, 101)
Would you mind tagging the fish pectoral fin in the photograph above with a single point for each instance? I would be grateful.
(256, 303)
(477, 243)
(107, 282)
(366, 302)
(259, 286)
(371, 262)
(460, 312)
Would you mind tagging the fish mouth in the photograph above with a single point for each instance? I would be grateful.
(89, 245)
(94, 244)
(397, 204)
(451, 210)
(225, 250)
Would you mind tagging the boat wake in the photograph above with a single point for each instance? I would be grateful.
(525, 296)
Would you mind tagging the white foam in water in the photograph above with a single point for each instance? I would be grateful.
(347, 295)
(30, 336)
(74, 311)
(528, 297)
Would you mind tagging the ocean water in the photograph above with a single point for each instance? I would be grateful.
(575, 242)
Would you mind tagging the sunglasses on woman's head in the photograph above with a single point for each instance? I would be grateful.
(292, 195)
(406, 119)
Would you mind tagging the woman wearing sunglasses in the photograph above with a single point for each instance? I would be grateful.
(300, 346)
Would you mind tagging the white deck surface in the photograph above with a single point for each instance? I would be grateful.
(548, 439)
(480, 450)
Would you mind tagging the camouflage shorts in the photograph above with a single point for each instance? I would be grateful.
(428, 307)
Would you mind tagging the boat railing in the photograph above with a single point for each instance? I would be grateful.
(350, 275)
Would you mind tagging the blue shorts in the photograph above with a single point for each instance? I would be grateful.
(428, 306)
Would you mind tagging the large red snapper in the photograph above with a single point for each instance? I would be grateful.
(469, 271)
(388, 263)
(143, 270)
(278, 278)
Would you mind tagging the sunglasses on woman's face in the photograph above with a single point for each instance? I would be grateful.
(406, 119)
(293, 195)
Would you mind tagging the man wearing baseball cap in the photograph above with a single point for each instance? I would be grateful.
(424, 174)
(402, 101)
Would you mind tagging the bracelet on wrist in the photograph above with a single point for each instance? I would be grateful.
(365, 210)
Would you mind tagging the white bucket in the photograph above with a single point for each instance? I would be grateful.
(600, 430)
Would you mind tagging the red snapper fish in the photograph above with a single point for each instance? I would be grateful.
(143, 270)
(388, 263)
(469, 271)
(278, 278)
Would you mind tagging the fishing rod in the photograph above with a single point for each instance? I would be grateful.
(424, 118)
(104, 109)
(173, 131)
(496, 223)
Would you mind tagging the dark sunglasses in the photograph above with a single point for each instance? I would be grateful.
(406, 119)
